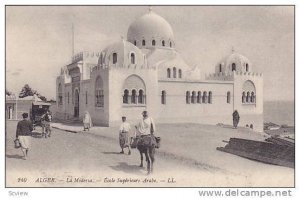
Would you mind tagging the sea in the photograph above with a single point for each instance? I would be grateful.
(280, 112)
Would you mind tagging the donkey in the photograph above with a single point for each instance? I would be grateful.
(149, 152)
(146, 145)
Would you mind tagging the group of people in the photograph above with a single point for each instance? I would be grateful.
(145, 127)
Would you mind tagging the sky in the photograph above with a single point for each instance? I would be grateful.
(39, 40)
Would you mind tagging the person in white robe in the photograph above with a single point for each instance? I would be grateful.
(87, 121)
(125, 136)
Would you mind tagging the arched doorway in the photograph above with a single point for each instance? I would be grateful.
(76, 103)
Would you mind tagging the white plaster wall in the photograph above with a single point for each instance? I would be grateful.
(100, 115)
(117, 78)
(60, 107)
(68, 105)
(239, 80)
(249, 113)
(176, 109)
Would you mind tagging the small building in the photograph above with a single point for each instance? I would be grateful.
(15, 106)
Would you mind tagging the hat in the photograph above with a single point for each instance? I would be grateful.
(25, 115)
(145, 113)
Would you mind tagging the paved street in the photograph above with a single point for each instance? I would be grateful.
(93, 159)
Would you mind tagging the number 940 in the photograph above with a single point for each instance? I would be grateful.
(22, 179)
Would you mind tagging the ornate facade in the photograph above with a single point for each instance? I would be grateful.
(146, 72)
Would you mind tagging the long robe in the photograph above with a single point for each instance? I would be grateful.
(235, 118)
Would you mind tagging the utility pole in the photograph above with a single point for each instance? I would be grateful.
(72, 40)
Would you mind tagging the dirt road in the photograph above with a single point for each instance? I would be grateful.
(90, 160)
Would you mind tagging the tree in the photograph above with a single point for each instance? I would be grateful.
(28, 91)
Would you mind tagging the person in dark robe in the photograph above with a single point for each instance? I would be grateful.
(23, 134)
(235, 118)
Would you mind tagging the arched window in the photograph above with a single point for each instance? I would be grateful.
(248, 97)
(169, 73)
(193, 97)
(199, 97)
(132, 58)
(153, 43)
(163, 43)
(243, 97)
(233, 67)
(220, 68)
(204, 97)
(247, 67)
(60, 94)
(143, 43)
(141, 97)
(174, 72)
(252, 97)
(249, 92)
(188, 97)
(99, 93)
(115, 58)
(170, 44)
(134, 90)
(210, 97)
(68, 97)
(228, 97)
(133, 96)
(163, 97)
(135, 43)
(126, 97)
(179, 73)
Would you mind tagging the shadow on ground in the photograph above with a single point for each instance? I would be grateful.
(15, 156)
(36, 135)
(112, 153)
(132, 169)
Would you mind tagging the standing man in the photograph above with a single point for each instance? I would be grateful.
(46, 120)
(124, 135)
(235, 118)
(146, 129)
(23, 133)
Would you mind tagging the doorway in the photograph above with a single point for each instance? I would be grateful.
(10, 112)
(76, 104)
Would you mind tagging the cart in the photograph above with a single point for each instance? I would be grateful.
(38, 109)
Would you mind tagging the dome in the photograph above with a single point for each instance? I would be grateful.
(151, 30)
(121, 54)
(234, 62)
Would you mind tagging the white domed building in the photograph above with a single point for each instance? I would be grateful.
(146, 72)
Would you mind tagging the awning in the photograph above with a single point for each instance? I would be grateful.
(41, 103)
